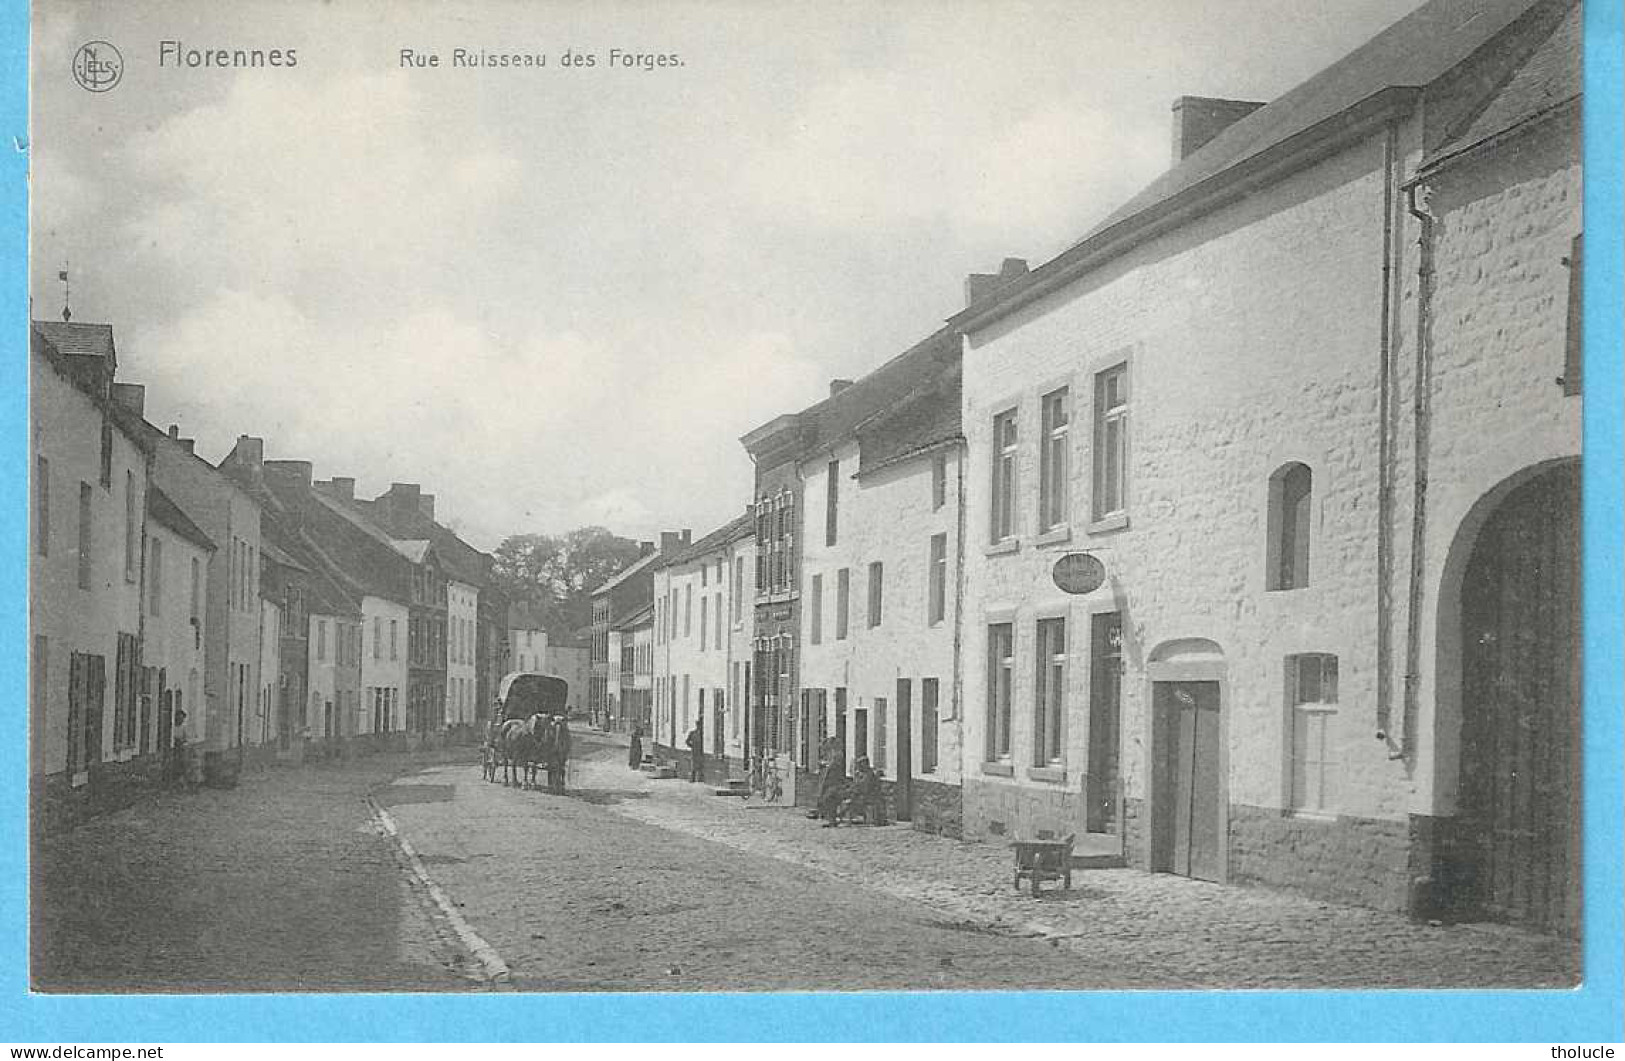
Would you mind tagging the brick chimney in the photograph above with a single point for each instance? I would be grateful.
(174, 431)
(836, 386)
(671, 541)
(249, 451)
(339, 488)
(293, 473)
(131, 396)
(1198, 119)
(645, 548)
(979, 286)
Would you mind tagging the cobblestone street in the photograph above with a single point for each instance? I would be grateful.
(630, 883)
(281, 884)
(289, 883)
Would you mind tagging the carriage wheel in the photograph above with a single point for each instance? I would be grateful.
(1018, 880)
(1035, 885)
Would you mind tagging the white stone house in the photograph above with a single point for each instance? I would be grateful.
(1215, 422)
(462, 612)
(176, 590)
(694, 644)
(879, 592)
(89, 479)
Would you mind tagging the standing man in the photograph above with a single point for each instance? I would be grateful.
(696, 751)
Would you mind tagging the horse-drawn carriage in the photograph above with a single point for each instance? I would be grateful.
(528, 731)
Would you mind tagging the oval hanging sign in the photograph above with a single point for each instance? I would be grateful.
(1079, 573)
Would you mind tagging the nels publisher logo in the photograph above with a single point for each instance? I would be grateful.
(97, 66)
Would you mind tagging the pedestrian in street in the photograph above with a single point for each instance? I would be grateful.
(634, 753)
(559, 758)
(831, 783)
(696, 752)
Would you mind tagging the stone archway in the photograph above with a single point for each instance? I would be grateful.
(1510, 677)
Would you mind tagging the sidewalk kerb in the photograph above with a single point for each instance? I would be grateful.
(492, 967)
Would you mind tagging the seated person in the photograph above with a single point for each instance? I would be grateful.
(864, 795)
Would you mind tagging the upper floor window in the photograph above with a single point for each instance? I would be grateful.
(1311, 680)
(937, 579)
(394, 641)
(155, 575)
(1111, 442)
(939, 481)
(107, 452)
(688, 610)
(321, 639)
(1053, 467)
(197, 588)
(815, 610)
(85, 539)
(703, 616)
(132, 529)
(42, 506)
(739, 588)
(1291, 505)
(832, 501)
(877, 589)
(843, 601)
(1004, 477)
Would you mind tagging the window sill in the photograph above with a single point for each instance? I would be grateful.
(1052, 774)
(1009, 545)
(1056, 536)
(1106, 524)
(1310, 815)
(998, 770)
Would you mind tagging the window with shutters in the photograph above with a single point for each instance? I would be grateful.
(815, 610)
(1001, 663)
(843, 602)
(877, 591)
(937, 576)
(85, 538)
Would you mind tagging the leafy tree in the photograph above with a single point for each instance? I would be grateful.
(557, 574)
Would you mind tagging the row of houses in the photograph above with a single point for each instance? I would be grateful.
(1239, 540)
(243, 608)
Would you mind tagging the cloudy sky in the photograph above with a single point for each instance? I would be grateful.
(558, 296)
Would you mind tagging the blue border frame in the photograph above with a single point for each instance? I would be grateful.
(1594, 1012)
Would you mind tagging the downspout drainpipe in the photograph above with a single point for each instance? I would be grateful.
(963, 447)
(1385, 442)
(1421, 410)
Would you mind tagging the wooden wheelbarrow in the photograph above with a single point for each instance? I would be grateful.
(1041, 860)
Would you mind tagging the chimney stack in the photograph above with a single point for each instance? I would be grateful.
(979, 286)
(836, 386)
(1198, 119)
(131, 396)
(426, 506)
(250, 451)
(174, 431)
(339, 488)
(286, 471)
(645, 548)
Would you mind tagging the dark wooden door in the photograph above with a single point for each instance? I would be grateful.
(1520, 769)
(905, 750)
(95, 700)
(1187, 819)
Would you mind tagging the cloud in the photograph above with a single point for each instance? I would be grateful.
(343, 181)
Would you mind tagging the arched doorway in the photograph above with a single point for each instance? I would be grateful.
(1518, 853)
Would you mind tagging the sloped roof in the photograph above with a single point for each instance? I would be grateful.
(742, 526)
(270, 551)
(74, 339)
(642, 563)
(1414, 53)
(415, 551)
(460, 560)
(921, 422)
(1549, 78)
(644, 616)
(161, 508)
(522, 615)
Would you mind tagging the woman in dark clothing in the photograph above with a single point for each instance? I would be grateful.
(634, 754)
